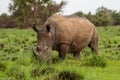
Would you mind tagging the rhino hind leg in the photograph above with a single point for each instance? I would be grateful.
(63, 49)
(94, 44)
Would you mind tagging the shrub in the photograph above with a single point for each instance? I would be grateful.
(2, 66)
(66, 75)
(15, 73)
(7, 21)
(97, 61)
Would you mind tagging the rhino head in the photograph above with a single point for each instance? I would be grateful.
(44, 43)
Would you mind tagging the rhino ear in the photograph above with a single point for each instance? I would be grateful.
(48, 28)
(34, 28)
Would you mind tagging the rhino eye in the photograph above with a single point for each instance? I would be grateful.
(48, 28)
(38, 49)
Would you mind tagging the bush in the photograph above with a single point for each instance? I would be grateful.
(7, 21)
(97, 61)
(15, 73)
(66, 75)
(2, 66)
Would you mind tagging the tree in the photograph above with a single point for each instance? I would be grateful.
(79, 13)
(104, 16)
(7, 21)
(116, 17)
(37, 11)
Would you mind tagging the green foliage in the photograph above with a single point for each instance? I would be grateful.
(15, 72)
(116, 17)
(27, 12)
(80, 13)
(66, 75)
(97, 61)
(2, 66)
(7, 21)
(102, 17)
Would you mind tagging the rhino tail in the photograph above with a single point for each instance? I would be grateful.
(94, 42)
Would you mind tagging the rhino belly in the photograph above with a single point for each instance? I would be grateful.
(80, 43)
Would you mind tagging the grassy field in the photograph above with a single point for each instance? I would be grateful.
(18, 63)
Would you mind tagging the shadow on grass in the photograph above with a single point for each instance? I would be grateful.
(66, 75)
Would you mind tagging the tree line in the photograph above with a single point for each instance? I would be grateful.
(102, 17)
(26, 12)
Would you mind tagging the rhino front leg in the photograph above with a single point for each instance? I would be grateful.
(76, 55)
(63, 49)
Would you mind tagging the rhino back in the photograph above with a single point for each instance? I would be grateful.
(74, 28)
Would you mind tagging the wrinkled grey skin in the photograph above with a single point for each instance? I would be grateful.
(65, 33)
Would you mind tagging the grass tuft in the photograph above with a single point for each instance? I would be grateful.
(67, 75)
(97, 61)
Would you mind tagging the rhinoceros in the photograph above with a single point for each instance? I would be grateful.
(65, 33)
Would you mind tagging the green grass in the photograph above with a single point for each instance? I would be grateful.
(18, 63)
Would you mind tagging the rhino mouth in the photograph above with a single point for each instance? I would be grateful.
(36, 54)
(43, 56)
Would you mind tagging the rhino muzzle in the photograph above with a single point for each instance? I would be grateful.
(41, 55)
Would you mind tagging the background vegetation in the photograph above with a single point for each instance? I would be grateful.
(26, 12)
(102, 17)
